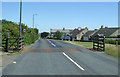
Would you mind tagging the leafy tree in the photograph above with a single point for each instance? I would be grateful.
(44, 34)
(58, 34)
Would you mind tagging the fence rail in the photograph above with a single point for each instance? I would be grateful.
(99, 43)
(12, 43)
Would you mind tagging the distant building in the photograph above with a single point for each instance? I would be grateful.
(108, 31)
(77, 34)
(87, 36)
(65, 32)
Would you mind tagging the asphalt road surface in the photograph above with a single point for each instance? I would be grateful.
(52, 57)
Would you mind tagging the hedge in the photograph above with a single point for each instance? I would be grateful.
(112, 41)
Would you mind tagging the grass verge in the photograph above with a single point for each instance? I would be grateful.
(14, 53)
(82, 44)
(109, 48)
(112, 50)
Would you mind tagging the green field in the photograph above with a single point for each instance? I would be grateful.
(109, 48)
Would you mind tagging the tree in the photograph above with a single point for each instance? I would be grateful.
(44, 34)
(58, 34)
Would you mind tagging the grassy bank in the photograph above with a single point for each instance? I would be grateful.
(109, 48)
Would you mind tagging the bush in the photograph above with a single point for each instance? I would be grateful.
(29, 37)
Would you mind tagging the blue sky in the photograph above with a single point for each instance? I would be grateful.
(57, 15)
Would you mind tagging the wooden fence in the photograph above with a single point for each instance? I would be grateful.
(12, 43)
(99, 43)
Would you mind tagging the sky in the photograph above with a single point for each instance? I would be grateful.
(56, 15)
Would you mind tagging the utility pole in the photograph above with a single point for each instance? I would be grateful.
(20, 18)
(33, 21)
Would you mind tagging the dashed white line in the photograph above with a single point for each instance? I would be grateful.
(69, 58)
(52, 43)
(14, 62)
(73, 62)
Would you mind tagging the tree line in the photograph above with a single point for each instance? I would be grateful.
(57, 35)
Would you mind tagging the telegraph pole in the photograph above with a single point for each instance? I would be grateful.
(33, 21)
(20, 18)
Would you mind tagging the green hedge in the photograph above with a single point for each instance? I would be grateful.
(30, 36)
(112, 41)
(111, 36)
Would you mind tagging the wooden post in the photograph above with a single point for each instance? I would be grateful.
(116, 42)
(7, 36)
(6, 49)
(103, 43)
(99, 43)
(18, 43)
(23, 42)
(93, 44)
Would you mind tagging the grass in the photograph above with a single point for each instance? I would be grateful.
(82, 44)
(110, 49)
(9, 54)
(14, 53)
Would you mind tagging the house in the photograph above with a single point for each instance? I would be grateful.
(65, 32)
(87, 36)
(108, 31)
(77, 34)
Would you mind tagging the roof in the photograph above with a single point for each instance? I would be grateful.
(75, 32)
(89, 33)
(106, 31)
(61, 30)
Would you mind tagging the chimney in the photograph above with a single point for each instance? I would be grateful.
(102, 27)
(50, 30)
(86, 28)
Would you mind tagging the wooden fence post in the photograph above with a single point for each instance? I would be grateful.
(116, 42)
(103, 43)
(20, 43)
(6, 44)
(99, 42)
(7, 36)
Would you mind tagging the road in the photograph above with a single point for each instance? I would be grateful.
(52, 57)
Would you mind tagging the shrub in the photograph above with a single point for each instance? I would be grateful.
(29, 37)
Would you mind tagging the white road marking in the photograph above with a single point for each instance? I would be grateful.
(73, 62)
(51, 43)
(14, 62)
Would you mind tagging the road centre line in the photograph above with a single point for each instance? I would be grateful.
(73, 61)
(14, 62)
(51, 43)
(69, 58)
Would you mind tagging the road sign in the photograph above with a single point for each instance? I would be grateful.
(24, 30)
(79, 28)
